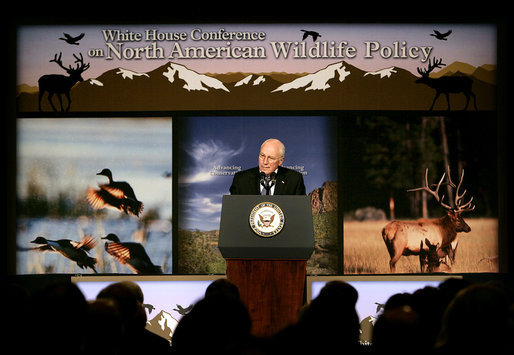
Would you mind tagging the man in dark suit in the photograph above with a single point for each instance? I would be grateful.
(269, 178)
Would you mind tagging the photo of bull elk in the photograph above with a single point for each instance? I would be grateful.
(385, 155)
(407, 237)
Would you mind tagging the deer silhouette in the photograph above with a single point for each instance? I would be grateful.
(61, 84)
(446, 84)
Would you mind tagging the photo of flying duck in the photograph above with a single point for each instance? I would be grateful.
(75, 251)
(65, 192)
(131, 254)
(117, 195)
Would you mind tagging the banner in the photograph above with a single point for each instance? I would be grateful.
(257, 67)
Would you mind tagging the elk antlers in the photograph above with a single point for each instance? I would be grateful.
(81, 67)
(459, 207)
(58, 60)
(431, 66)
(468, 206)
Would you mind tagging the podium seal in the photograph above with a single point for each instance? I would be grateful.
(266, 219)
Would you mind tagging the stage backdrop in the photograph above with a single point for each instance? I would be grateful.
(364, 110)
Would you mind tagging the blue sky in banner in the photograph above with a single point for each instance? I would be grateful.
(213, 148)
(375, 46)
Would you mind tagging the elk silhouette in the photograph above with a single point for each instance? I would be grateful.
(446, 84)
(404, 237)
(61, 84)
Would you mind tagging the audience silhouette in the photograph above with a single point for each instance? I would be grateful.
(224, 287)
(477, 320)
(58, 320)
(105, 323)
(136, 339)
(329, 323)
(398, 331)
(458, 316)
(217, 324)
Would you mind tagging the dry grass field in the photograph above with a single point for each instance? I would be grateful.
(365, 251)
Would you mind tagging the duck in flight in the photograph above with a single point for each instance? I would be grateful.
(75, 251)
(441, 36)
(72, 40)
(117, 195)
(131, 254)
(313, 34)
(149, 307)
(183, 311)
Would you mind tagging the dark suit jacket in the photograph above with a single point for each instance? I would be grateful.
(288, 182)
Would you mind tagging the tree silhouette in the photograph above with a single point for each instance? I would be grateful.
(396, 150)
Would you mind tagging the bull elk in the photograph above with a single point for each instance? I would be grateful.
(446, 84)
(61, 84)
(406, 237)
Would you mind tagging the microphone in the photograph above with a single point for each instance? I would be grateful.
(273, 177)
(265, 182)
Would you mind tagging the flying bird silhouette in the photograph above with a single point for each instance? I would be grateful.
(441, 36)
(313, 34)
(149, 307)
(72, 40)
(75, 251)
(183, 311)
(117, 195)
(131, 254)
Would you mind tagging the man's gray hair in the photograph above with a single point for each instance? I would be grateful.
(282, 146)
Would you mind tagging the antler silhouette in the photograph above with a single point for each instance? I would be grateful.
(431, 66)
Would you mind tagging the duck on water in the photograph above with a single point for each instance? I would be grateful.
(131, 254)
(75, 251)
(118, 195)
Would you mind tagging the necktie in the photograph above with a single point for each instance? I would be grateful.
(267, 182)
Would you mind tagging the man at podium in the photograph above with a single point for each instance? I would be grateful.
(269, 177)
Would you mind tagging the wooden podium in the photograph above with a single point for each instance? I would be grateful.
(266, 241)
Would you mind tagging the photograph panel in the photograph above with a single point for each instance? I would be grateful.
(212, 149)
(84, 184)
(407, 199)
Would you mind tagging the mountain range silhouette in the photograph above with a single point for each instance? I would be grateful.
(339, 86)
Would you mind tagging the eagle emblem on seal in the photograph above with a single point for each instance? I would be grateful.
(266, 219)
(266, 222)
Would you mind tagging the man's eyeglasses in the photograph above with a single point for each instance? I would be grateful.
(270, 158)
